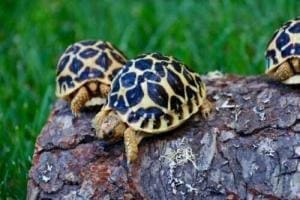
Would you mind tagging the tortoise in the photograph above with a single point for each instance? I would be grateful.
(283, 53)
(85, 71)
(151, 94)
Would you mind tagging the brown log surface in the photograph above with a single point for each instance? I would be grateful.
(248, 149)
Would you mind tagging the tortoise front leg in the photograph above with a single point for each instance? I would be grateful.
(283, 72)
(132, 139)
(206, 108)
(79, 100)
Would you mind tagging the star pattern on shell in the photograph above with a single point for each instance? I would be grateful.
(284, 44)
(85, 61)
(155, 93)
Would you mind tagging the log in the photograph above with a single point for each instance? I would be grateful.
(248, 149)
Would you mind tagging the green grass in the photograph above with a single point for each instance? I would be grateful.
(207, 35)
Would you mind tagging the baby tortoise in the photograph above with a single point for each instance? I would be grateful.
(283, 53)
(85, 70)
(151, 94)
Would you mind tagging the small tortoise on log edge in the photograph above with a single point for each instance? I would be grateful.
(151, 94)
(85, 70)
(283, 53)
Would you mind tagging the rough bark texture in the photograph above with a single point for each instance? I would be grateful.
(248, 149)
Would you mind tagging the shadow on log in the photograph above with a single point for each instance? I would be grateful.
(248, 149)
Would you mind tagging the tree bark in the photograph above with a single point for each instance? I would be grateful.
(248, 149)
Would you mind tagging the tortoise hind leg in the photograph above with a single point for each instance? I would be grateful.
(283, 72)
(296, 64)
(206, 108)
(132, 139)
(79, 100)
(295, 67)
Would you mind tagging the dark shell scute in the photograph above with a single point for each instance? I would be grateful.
(65, 80)
(169, 119)
(62, 64)
(128, 79)
(76, 65)
(295, 28)
(149, 113)
(120, 105)
(126, 67)
(187, 75)
(103, 61)
(141, 79)
(145, 123)
(89, 73)
(160, 69)
(176, 105)
(175, 83)
(153, 111)
(133, 117)
(102, 46)
(156, 123)
(292, 49)
(191, 94)
(115, 86)
(74, 49)
(287, 51)
(164, 63)
(177, 66)
(151, 76)
(198, 80)
(143, 64)
(297, 49)
(282, 40)
(88, 53)
(271, 54)
(134, 95)
(158, 94)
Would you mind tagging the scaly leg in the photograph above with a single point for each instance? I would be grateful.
(283, 72)
(98, 120)
(206, 108)
(131, 140)
(79, 100)
(296, 64)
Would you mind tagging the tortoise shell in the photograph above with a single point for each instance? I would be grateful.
(86, 61)
(155, 93)
(284, 44)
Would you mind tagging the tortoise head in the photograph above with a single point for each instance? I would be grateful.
(111, 127)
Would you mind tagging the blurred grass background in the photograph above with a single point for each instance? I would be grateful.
(207, 35)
